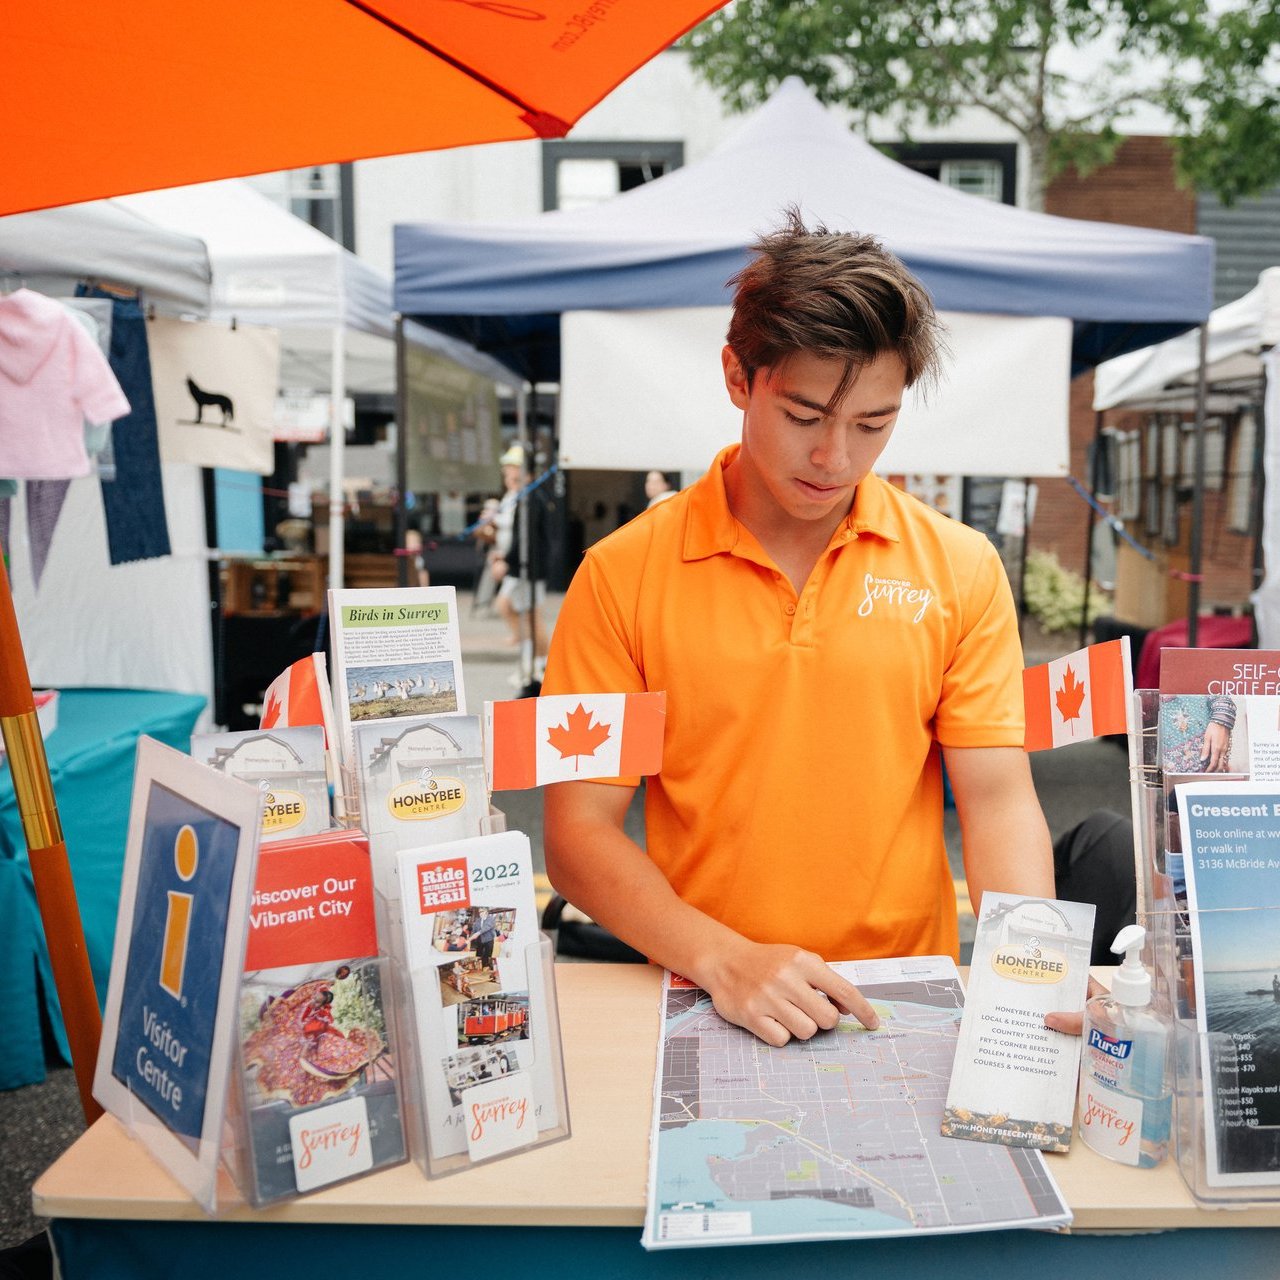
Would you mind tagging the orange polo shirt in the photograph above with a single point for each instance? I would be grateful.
(800, 798)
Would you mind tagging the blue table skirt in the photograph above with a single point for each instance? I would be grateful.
(91, 759)
(104, 1250)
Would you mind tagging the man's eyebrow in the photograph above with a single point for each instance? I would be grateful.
(818, 407)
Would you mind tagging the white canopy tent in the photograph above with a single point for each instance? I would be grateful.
(1164, 376)
(1001, 410)
(1241, 368)
(143, 624)
(332, 309)
(53, 250)
(271, 268)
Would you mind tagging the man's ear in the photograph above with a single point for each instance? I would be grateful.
(735, 378)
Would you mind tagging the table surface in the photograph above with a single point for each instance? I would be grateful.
(597, 1178)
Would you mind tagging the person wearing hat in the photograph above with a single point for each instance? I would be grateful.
(824, 641)
(515, 598)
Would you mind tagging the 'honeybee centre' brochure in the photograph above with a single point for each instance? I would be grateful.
(1014, 1080)
(422, 782)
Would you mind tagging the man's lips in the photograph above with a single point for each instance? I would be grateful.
(819, 490)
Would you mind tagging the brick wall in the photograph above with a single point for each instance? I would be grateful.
(1138, 188)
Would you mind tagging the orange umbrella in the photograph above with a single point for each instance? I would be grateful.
(101, 98)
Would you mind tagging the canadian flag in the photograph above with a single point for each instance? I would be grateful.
(300, 695)
(1084, 695)
(572, 737)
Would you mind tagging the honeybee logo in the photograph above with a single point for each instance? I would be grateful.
(435, 797)
(1031, 962)
(282, 810)
(177, 923)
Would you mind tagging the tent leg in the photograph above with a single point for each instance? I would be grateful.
(1022, 553)
(1197, 493)
(50, 868)
(1094, 467)
(337, 462)
(403, 577)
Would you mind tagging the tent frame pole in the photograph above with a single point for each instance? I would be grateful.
(337, 461)
(1095, 465)
(1197, 492)
(525, 407)
(402, 458)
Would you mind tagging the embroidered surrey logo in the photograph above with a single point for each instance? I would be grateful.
(893, 592)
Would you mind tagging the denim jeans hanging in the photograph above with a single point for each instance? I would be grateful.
(134, 501)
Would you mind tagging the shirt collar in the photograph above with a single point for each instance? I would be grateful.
(713, 528)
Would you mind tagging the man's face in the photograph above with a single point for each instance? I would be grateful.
(510, 478)
(800, 462)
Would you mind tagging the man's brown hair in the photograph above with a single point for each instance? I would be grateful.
(831, 294)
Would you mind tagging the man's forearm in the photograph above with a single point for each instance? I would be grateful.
(603, 872)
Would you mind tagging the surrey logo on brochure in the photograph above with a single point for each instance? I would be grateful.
(330, 1143)
(894, 593)
(500, 1116)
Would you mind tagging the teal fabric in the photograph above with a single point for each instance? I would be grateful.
(91, 755)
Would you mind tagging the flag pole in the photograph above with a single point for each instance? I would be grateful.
(47, 852)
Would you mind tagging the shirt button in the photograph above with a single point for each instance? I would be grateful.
(790, 610)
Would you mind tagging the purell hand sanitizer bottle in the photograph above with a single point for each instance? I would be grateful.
(1125, 1100)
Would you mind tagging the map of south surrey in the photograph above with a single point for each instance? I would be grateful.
(837, 1136)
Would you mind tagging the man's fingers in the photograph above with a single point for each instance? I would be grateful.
(850, 999)
(1071, 1023)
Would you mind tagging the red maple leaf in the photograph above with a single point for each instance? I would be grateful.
(271, 712)
(577, 737)
(1070, 697)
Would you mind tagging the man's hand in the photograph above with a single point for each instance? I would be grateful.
(777, 991)
(1072, 1021)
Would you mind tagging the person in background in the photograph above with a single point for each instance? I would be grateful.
(658, 488)
(518, 601)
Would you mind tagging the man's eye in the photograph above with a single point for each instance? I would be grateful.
(800, 422)
(871, 428)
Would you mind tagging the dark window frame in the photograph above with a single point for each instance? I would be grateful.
(670, 154)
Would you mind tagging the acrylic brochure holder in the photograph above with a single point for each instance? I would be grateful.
(505, 1069)
(1221, 1133)
(315, 1120)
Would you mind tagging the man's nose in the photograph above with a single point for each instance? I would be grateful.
(831, 452)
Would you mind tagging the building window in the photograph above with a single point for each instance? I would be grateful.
(984, 178)
(985, 169)
(577, 174)
(321, 195)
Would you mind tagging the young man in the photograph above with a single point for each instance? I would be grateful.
(824, 641)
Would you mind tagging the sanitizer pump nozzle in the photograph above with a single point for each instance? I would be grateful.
(1132, 983)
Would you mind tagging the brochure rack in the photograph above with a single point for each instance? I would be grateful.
(277, 1148)
(1211, 1114)
(437, 1111)
(1215, 1120)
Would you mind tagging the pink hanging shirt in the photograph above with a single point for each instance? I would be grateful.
(52, 378)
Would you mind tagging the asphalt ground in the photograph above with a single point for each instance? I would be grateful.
(38, 1122)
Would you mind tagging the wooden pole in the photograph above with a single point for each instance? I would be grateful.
(50, 869)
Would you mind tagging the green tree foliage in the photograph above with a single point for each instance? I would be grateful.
(1054, 595)
(1212, 65)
